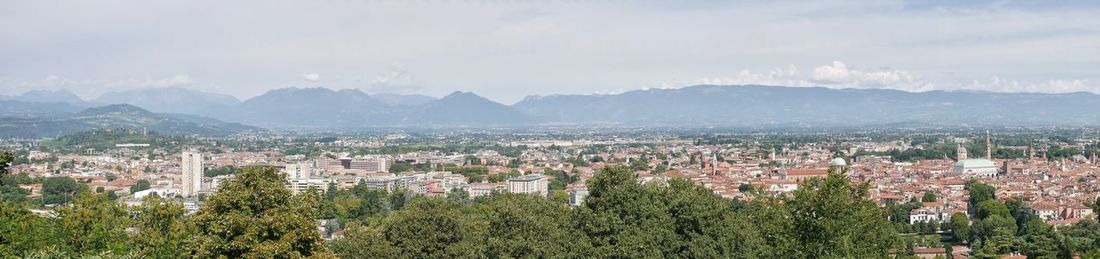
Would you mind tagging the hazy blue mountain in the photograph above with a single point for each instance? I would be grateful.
(403, 99)
(704, 105)
(11, 108)
(47, 96)
(309, 108)
(770, 105)
(172, 99)
(117, 116)
(326, 108)
(469, 109)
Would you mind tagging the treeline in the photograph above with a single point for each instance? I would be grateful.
(104, 139)
(623, 218)
(254, 216)
(1009, 226)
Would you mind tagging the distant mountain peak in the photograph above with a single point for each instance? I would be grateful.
(47, 96)
(457, 94)
(169, 99)
(465, 96)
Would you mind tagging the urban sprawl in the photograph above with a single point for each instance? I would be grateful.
(1053, 172)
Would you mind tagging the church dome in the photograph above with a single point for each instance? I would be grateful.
(838, 162)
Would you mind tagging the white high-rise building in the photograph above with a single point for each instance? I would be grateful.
(378, 164)
(192, 173)
(298, 171)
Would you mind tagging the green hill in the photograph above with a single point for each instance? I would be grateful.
(118, 116)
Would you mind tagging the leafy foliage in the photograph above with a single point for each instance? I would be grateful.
(161, 229)
(253, 215)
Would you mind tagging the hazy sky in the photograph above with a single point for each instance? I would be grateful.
(508, 49)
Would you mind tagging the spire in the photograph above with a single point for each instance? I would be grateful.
(961, 152)
(988, 147)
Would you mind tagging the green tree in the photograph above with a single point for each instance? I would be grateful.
(435, 228)
(560, 179)
(745, 187)
(1041, 241)
(5, 162)
(640, 164)
(660, 169)
(625, 219)
(221, 170)
(161, 229)
(1000, 243)
(559, 196)
(960, 228)
(10, 190)
(459, 195)
(929, 196)
(254, 216)
(60, 189)
(140, 185)
(1096, 207)
(22, 232)
(833, 218)
(93, 225)
(372, 203)
(986, 228)
(774, 221)
(980, 192)
(363, 242)
(526, 226)
(1082, 237)
(991, 207)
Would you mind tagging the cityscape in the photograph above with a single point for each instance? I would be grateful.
(921, 179)
(550, 129)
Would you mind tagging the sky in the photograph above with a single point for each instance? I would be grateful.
(508, 49)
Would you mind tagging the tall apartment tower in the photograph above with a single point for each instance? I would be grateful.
(297, 171)
(192, 173)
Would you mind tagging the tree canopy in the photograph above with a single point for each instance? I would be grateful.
(253, 215)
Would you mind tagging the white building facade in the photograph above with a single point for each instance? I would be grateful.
(529, 184)
(191, 165)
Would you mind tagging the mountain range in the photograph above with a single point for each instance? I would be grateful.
(170, 100)
(693, 106)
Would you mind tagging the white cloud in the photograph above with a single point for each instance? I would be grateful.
(312, 77)
(506, 51)
(173, 81)
(839, 74)
(998, 84)
(780, 76)
(397, 80)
